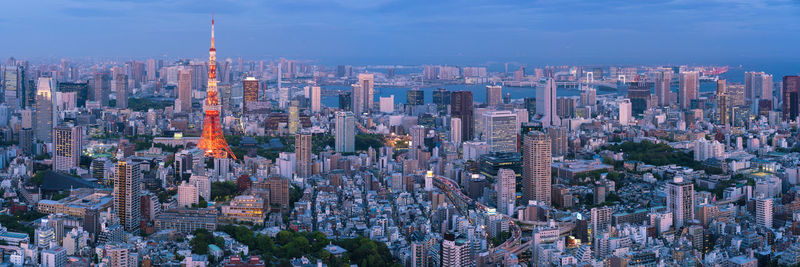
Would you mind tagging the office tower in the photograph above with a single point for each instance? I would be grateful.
(663, 80)
(639, 95)
(559, 140)
(367, 83)
(536, 160)
(722, 102)
(757, 85)
(387, 104)
(187, 195)
(212, 141)
(506, 190)
(81, 90)
(12, 85)
(455, 131)
(294, 117)
(101, 88)
(152, 69)
(530, 106)
(791, 97)
(316, 98)
(121, 83)
(417, 140)
(501, 131)
(283, 97)
(415, 97)
(588, 97)
(689, 88)
(455, 251)
(345, 132)
(358, 99)
(249, 92)
(67, 147)
(127, 194)
(625, 112)
(601, 220)
(546, 103)
(565, 107)
(680, 201)
(302, 149)
(441, 98)
(461, 107)
(45, 113)
(494, 95)
(346, 101)
(184, 91)
(764, 212)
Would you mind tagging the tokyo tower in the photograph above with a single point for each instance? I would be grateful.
(212, 140)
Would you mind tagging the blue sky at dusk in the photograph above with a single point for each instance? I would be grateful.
(410, 32)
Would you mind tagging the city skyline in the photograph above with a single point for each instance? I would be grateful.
(448, 32)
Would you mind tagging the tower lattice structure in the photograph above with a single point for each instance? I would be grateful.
(212, 140)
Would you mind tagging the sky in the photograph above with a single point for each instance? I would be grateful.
(535, 32)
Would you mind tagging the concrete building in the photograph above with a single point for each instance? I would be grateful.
(536, 161)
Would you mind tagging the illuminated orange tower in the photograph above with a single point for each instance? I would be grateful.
(212, 140)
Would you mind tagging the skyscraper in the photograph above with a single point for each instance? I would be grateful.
(722, 102)
(791, 97)
(358, 99)
(43, 125)
(757, 85)
(345, 132)
(546, 103)
(536, 160)
(346, 101)
(689, 88)
(294, 117)
(494, 95)
(101, 88)
(12, 85)
(127, 194)
(418, 133)
(764, 212)
(415, 97)
(461, 107)
(680, 201)
(249, 92)
(316, 98)
(67, 147)
(455, 131)
(184, 91)
(639, 95)
(302, 147)
(559, 139)
(501, 131)
(625, 112)
(506, 190)
(441, 98)
(663, 80)
(121, 82)
(367, 82)
(152, 69)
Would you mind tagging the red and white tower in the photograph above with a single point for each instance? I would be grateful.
(213, 140)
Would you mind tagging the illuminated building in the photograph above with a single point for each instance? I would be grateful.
(345, 132)
(45, 113)
(501, 131)
(67, 147)
(249, 92)
(127, 194)
(245, 208)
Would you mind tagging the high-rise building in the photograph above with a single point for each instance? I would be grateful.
(565, 107)
(501, 131)
(663, 81)
(387, 104)
(461, 107)
(455, 251)
(680, 201)
(367, 82)
(757, 85)
(184, 91)
(418, 133)
(188, 195)
(152, 69)
(689, 88)
(415, 97)
(302, 149)
(249, 92)
(358, 99)
(639, 95)
(294, 117)
(625, 112)
(455, 131)
(101, 88)
(722, 102)
(67, 147)
(127, 194)
(345, 132)
(559, 140)
(494, 95)
(316, 98)
(12, 85)
(121, 83)
(536, 169)
(546, 103)
(346, 101)
(764, 212)
(601, 220)
(45, 113)
(441, 98)
(506, 190)
(791, 97)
